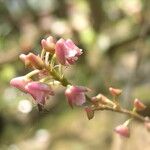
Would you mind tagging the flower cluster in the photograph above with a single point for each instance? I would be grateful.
(54, 54)
(48, 69)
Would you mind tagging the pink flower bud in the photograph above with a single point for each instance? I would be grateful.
(39, 91)
(147, 123)
(122, 130)
(67, 52)
(115, 92)
(76, 95)
(139, 105)
(20, 83)
(89, 112)
(35, 61)
(24, 58)
(49, 44)
(31, 60)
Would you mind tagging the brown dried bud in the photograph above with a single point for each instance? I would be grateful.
(89, 112)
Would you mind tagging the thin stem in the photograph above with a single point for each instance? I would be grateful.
(45, 79)
(42, 54)
(57, 77)
(65, 82)
(121, 110)
(47, 58)
(32, 73)
(53, 60)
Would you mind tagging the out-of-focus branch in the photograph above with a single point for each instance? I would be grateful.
(97, 14)
(7, 57)
(143, 33)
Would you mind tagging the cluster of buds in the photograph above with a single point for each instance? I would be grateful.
(101, 102)
(47, 67)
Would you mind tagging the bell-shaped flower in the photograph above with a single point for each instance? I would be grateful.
(122, 130)
(20, 83)
(67, 52)
(39, 91)
(76, 95)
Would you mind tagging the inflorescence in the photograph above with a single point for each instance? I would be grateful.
(48, 71)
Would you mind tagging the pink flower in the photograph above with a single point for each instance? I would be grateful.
(39, 91)
(67, 52)
(20, 83)
(76, 95)
(48, 44)
(122, 130)
(139, 105)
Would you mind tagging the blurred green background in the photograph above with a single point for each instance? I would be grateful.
(115, 38)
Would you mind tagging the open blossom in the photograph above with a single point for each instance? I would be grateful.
(20, 83)
(122, 130)
(76, 95)
(48, 44)
(39, 91)
(67, 52)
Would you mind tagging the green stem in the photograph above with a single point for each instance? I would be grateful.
(57, 77)
(32, 73)
(47, 58)
(65, 82)
(42, 54)
(127, 122)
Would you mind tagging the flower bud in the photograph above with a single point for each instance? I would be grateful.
(122, 130)
(139, 105)
(115, 92)
(89, 112)
(101, 99)
(35, 61)
(24, 58)
(147, 123)
(39, 91)
(20, 83)
(49, 44)
(76, 95)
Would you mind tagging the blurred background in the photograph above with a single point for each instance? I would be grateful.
(115, 38)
